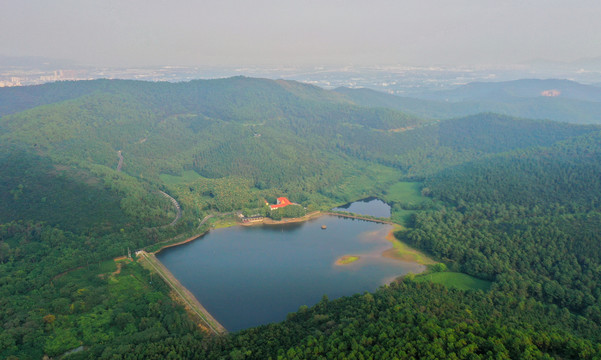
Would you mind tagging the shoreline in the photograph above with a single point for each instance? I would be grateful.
(195, 308)
(190, 302)
(398, 251)
(190, 239)
(403, 252)
(268, 221)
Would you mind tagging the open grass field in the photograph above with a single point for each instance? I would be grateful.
(404, 196)
(369, 180)
(187, 177)
(402, 216)
(128, 282)
(224, 222)
(456, 280)
(405, 193)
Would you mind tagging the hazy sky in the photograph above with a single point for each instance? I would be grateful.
(279, 32)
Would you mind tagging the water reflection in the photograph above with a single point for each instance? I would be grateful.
(247, 276)
(370, 206)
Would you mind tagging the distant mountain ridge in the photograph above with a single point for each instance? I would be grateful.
(524, 88)
(560, 100)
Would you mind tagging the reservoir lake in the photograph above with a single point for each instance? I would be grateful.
(249, 276)
(371, 206)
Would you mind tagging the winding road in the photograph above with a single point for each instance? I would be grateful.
(120, 164)
(173, 201)
(177, 207)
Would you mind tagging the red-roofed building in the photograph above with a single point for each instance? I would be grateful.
(282, 202)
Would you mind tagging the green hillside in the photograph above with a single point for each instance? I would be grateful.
(529, 220)
(32, 188)
(508, 200)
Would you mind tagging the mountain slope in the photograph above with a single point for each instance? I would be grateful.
(66, 211)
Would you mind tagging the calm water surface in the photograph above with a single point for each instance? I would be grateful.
(248, 276)
(370, 206)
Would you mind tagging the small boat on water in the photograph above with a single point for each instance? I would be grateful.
(323, 227)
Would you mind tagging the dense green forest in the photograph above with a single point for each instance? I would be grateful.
(510, 200)
(528, 220)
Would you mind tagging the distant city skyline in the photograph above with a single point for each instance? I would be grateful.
(270, 32)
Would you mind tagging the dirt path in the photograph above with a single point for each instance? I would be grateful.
(119, 266)
(360, 218)
(68, 271)
(120, 164)
(173, 201)
(205, 219)
(187, 298)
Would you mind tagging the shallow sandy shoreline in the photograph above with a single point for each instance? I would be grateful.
(405, 252)
(268, 221)
(194, 306)
(392, 253)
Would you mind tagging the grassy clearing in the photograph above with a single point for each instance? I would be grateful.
(347, 259)
(128, 283)
(188, 176)
(402, 216)
(405, 198)
(366, 181)
(403, 251)
(455, 280)
(405, 193)
(107, 266)
(224, 223)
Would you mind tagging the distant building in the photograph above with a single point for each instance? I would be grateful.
(282, 202)
(551, 93)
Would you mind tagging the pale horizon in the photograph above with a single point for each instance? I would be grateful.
(310, 33)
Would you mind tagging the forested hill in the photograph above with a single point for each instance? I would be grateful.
(566, 173)
(513, 201)
(274, 136)
(528, 219)
(230, 126)
(559, 100)
(157, 120)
